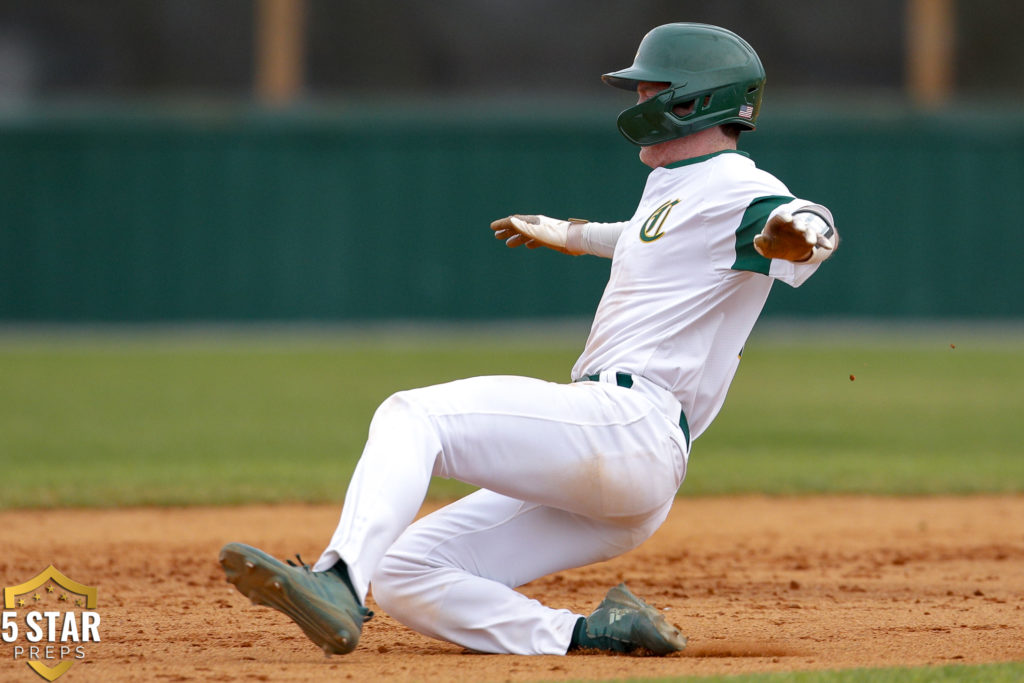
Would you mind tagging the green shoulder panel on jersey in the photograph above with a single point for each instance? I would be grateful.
(750, 226)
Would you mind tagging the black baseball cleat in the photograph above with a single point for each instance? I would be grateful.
(319, 602)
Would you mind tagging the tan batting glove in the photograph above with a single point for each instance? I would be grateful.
(800, 236)
(539, 231)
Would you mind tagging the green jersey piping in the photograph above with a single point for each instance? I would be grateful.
(705, 157)
(750, 226)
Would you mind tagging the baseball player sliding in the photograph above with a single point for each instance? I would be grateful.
(576, 473)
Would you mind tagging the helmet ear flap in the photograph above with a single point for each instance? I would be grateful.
(683, 109)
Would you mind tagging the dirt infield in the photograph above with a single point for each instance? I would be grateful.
(757, 584)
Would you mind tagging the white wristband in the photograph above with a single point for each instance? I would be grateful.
(598, 239)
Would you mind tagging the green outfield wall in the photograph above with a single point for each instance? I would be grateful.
(360, 214)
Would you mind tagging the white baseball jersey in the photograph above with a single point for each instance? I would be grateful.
(686, 284)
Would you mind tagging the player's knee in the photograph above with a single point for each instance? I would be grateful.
(398, 408)
(394, 583)
(394, 404)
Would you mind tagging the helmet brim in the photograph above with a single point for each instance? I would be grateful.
(630, 78)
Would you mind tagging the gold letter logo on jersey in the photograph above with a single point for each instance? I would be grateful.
(651, 229)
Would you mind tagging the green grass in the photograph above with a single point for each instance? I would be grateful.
(988, 673)
(139, 420)
(114, 419)
(917, 419)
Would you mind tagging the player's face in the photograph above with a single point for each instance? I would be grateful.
(645, 90)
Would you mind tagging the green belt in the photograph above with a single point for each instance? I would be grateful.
(625, 380)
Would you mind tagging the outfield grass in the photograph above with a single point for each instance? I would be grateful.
(103, 420)
(918, 417)
(111, 419)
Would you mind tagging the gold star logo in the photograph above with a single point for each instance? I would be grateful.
(63, 597)
(48, 580)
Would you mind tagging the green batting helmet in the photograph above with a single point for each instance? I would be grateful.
(713, 68)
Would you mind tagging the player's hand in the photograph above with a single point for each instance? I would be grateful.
(533, 232)
(796, 237)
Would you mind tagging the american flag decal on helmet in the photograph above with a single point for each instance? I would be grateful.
(746, 111)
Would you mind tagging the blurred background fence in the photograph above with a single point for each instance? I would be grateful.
(297, 160)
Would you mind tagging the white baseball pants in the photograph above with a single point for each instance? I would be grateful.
(571, 474)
